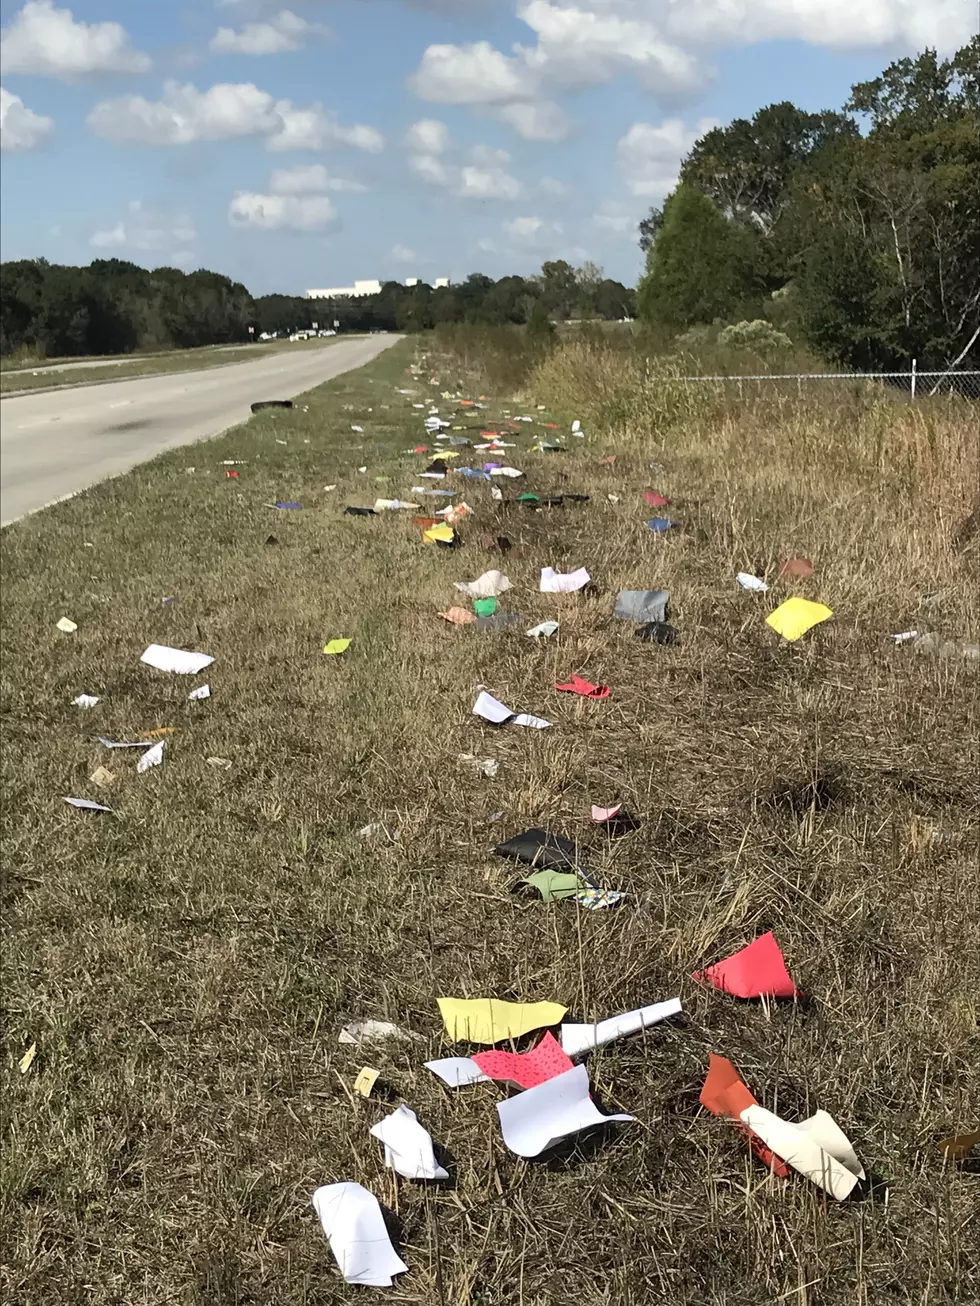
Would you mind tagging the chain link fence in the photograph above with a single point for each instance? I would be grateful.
(912, 385)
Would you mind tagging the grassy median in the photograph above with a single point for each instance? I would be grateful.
(185, 964)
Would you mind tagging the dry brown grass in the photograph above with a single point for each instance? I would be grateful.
(185, 965)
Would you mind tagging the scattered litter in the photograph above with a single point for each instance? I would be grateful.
(796, 616)
(584, 688)
(541, 848)
(439, 533)
(85, 700)
(177, 660)
(613, 498)
(202, 691)
(750, 582)
(458, 616)
(230, 474)
(933, 643)
(489, 585)
(959, 1147)
(328, 488)
(596, 899)
(905, 636)
(271, 539)
(576, 1039)
(485, 607)
(152, 757)
(511, 472)
(354, 1225)
(553, 582)
(525, 1069)
(544, 629)
(492, 710)
(488, 766)
(86, 805)
(657, 632)
(112, 743)
(498, 622)
(537, 1119)
(351, 511)
(271, 403)
(366, 1079)
(408, 1147)
(553, 886)
(642, 605)
(489, 1020)
(171, 598)
(333, 646)
(457, 1072)
(391, 505)
(220, 763)
(284, 505)
(162, 730)
(756, 971)
(608, 460)
(796, 569)
(660, 525)
(655, 500)
(817, 1147)
(27, 1060)
(66, 625)
(374, 1031)
(577, 428)
(102, 777)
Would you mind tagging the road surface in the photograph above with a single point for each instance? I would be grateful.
(83, 364)
(53, 445)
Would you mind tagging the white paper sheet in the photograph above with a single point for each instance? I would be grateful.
(816, 1148)
(750, 582)
(512, 472)
(544, 629)
(112, 743)
(86, 805)
(576, 1039)
(554, 582)
(152, 757)
(202, 691)
(541, 1116)
(374, 1031)
(491, 709)
(408, 1147)
(905, 636)
(176, 660)
(457, 1072)
(85, 700)
(487, 586)
(355, 1228)
(576, 427)
(66, 625)
(488, 766)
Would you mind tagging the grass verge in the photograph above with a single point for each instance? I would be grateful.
(185, 964)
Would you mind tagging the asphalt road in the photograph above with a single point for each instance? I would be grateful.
(84, 364)
(53, 445)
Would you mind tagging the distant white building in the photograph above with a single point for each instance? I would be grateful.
(361, 288)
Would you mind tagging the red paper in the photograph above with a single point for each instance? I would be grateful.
(726, 1094)
(421, 448)
(757, 971)
(609, 459)
(528, 1068)
(231, 475)
(552, 426)
(584, 687)
(656, 500)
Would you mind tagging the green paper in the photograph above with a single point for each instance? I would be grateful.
(528, 498)
(484, 607)
(553, 885)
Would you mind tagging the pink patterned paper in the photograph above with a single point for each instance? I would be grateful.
(527, 1069)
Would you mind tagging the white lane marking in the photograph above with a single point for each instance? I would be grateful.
(122, 403)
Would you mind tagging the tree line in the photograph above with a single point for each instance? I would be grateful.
(116, 307)
(855, 230)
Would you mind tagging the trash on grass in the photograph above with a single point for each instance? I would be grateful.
(66, 625)
(655, 500)
(796, 569)
(334, 646)
(85, 700)
(27, 1060)
(489, 585)
(488, 766)
(544, 629)
(537, 1119)
(408, 1147)
(102, 777)
(577, 1039)
(354, 1226)
(750, 582)
(86, 805)
(152, 757)
(366, 1079)
(796, 616)
(525, 1069)
(374, 1031)
(457, 616)
(177, 660)
(553, 886)
(553, 582)
(541, 848)
(584, 688)
(756, 971)
(489, 1020)
(457, 1072)
(642, 605)
(492, 710)
(485, 607)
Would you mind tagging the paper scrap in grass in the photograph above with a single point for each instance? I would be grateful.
(543, 849)
(492, 710)
(151, 758)
(596, 899)
(553, 886)
(489, 1020)
(336, 646)
(489, 585)
(796, 616)
(354, 1225)
(554, 582)
(408, 1147)
(537, 1119)
(750, 582)
(66, 625)
(577, 1039)
(488, 766)
(457, 616)
(796, 569)
(543, 630)
(526, 1069)
(86, 805)
(485, 607)
(457, 1072)
(27, 1060)
(366, 1079)
(177, 660)
(374, 1031)
(655, 500)
(756, 971)
(660, 525)
(584, 688)
(113, 743)
(817, 1147)
(642, 605)
(85, 700)
(102, 777)
(202, 691)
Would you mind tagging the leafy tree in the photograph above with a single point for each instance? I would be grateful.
(559, 287)
(649, 228)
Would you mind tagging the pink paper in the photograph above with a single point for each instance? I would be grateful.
(602, 814)
(528, 1069)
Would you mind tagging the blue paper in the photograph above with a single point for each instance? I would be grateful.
(660, 525)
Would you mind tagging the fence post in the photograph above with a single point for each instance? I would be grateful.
(913, 378)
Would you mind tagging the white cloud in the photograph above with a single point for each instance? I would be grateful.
(310, 180)
(486, 184)
(20, 128)
(430, 170)
(535, 120)
(48, 42)
(532, 231)
(553, 187)
(615, 217)
(485, 176)
(223, 112)
(428, 136)
(471, 74)
(282, 212)
(650, 156)
(147, 231)
(283, 33)
(487, 246)
(402, 254)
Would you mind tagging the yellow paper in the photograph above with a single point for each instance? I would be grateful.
(796, 616)
(488, 1020)
(336, 646)
(366, 1079)
(446, 453)
(102, 777)
(441, 532)
(27, 1060)
(163, 730)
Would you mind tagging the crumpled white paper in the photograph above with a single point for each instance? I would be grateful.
(85, 700)
(355, 1228)
(750, 582)
(544, 629)
(539, 1117)
(491, 709)
(487, 586)
(555, 582)
(202, 691)
(488, 766)
(408, 1147)
(816, 1148)
(152, 757)
(512, 472)
(576, 1039)
(176, 660)
(374, 1031)
(457, 1072)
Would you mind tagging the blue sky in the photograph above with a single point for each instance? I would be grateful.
(305, 143)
